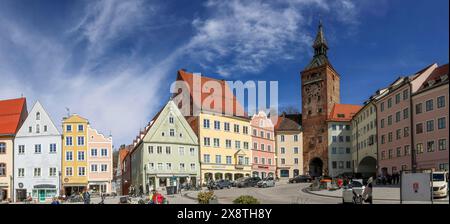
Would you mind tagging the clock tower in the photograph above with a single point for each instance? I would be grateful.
(320, 91)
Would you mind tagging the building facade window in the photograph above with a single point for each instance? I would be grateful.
(52, 148)
(442, 144)
(21, 149)
(69, 156)
(429, 105)
(441, 102)
(441, 123)
(37, 149)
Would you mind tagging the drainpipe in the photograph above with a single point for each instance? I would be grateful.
(376, 138)
(413, 148)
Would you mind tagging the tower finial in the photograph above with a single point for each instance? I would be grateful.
(320, 44)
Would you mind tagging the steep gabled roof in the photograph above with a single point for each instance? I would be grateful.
(226, 95)
(343, 112)
(438, 76)
(11, 112)
(286, 124)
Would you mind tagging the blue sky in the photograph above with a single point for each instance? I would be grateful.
(112, 61)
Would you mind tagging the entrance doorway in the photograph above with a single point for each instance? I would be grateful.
(3, 194)
(368, 167)
(315, 167)
(296, 172)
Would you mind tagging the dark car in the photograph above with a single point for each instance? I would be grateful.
(300, 179)
(249, 182)
(221, 184)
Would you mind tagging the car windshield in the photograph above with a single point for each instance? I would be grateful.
(438, 177)
(356, 184)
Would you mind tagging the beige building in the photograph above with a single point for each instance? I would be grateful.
(364, 139)
(289, 143)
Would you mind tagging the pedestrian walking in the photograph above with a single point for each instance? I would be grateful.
(86, 197)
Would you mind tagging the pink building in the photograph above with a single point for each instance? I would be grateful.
(395, 132)
(263, 150)
(100, 162)
(430, 121)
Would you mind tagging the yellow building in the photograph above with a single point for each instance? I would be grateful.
(224, 147)
(74, 161)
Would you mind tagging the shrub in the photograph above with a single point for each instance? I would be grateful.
(204, 197)
(246, 199)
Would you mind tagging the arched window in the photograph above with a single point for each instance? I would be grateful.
(38, 116)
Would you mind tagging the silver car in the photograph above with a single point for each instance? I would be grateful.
(267, 182)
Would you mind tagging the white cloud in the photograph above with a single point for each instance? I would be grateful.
(250, 35)
(118, 99)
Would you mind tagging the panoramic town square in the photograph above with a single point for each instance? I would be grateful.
(91, 114)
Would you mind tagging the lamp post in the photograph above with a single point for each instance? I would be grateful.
(145, 178)
(59, 183)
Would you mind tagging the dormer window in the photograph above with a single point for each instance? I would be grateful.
(38, 116)
(341, 115)
(444, 77)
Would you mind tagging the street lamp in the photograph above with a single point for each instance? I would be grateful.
(59, 182)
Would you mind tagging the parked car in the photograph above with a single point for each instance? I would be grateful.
(235, 182)
(221, 184)
(249, 182)
(300, 179)
(347, 191)
(268, 182)
(440, 184)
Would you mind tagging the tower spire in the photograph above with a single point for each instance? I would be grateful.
(320, 44)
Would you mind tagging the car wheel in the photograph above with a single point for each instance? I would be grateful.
(229, 187)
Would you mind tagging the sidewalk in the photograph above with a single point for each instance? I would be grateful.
(380, 193)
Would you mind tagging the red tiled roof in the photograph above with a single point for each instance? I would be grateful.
(343, 112)
(11, 112)
(226, 94)
(435, 76)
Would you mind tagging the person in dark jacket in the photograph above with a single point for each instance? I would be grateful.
(86, 197)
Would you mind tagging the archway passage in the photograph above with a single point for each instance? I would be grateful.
(315, 167)
(368, 167)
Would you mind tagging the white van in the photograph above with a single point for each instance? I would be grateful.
(440, 184)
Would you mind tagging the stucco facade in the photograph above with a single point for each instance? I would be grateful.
(224, 147)
(100, 163)
(37, 157)
(364, 140)
(166, 152)
(13, 113)
(74, 156)
(430, 120)
(394, 128)
(263, 146)
(289, 148)
(339, 149)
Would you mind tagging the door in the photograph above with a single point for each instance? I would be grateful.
(41, 195)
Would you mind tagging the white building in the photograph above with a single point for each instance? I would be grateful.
(37, 157)
(340, 139)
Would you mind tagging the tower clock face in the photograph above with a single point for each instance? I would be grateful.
(313, 90)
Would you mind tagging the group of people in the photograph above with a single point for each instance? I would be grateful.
(133, 191)
(389, 179)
